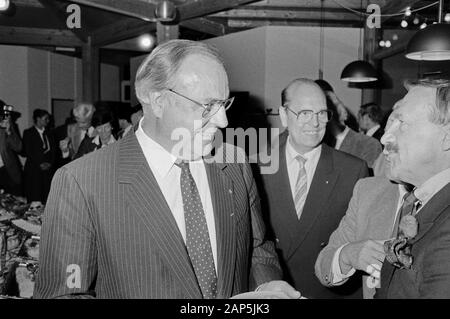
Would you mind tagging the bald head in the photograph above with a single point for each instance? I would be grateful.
(301, 87)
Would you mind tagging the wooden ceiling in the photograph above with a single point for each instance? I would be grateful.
(105, 22)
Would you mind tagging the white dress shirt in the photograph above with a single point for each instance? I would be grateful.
(96, 140)
(43, 138)
(340, 137)
(423, 193)
(293, 166)
(167, 174)
(372, 130)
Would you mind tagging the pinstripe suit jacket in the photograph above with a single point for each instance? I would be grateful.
(107, 215)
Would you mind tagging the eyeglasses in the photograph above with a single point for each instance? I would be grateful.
(210, 108)
(305, 116)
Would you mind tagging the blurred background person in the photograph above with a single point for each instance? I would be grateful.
(102, 121)
(124, 118)
(344, 138)
(10, 147)
(136, 115)
(39, 150)
(370, 117)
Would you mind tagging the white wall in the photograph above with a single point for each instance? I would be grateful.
(30, 78)
(14, 80)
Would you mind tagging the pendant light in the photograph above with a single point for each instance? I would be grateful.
(431, 43)
(359, 71)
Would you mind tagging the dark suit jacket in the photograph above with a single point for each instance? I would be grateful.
(361, 146)
(429, 276)
(378, 134)
(300, 241)
(10, 146)
(86, 147)
(37, 182)
(107, 214)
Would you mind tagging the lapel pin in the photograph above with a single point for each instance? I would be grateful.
(326, 182)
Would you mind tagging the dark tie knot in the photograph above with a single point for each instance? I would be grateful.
(184, 165)
(410, 200)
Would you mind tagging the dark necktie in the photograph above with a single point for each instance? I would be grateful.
(197, 237)
(398, 250)
(409, 206)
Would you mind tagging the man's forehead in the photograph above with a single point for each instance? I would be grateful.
(306, 94)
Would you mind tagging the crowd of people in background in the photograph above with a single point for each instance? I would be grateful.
(45, 148)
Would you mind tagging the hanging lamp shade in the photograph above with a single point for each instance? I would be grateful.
(359, 71)
(430, 44)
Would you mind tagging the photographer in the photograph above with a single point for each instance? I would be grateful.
(10, 145)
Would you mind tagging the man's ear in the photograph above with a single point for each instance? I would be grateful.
(446, 140)
(156, 103)
(283, 115)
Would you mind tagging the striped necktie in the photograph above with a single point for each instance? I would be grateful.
(300, 186)
(197, 236)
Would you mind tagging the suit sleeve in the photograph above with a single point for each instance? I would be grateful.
(14, 142)
(436, 266)
(264, 261)
(364, 171)
(68, 254)
(373, 150)
(344, 234)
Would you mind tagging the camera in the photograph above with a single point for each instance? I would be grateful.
(5, 114)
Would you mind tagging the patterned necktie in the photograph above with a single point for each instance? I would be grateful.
(410, 203)
(197, 237)
(300, 186)
(44, 139)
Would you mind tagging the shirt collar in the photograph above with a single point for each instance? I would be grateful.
(39, 130)
(159, 159)
(343, 134)
(433, 185)
(292, 153)
(372, 130)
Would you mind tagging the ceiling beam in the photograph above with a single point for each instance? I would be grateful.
(36, 36)
(121, 30)
(137, 9)
(201, 8)
(206, 26)
(279, 14)
(250, 24)
(354, 4)
(62, 16)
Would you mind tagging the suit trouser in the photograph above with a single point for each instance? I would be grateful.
(8, 184)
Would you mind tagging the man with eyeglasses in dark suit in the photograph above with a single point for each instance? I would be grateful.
(307, 197)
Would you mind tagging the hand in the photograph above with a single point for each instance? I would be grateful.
(282, 287)
(45, 166)
(365, 255)
(64, 145)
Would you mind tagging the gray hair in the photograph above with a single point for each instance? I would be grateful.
(440, 109)
(158, 71)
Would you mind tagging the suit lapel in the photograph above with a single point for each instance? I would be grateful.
(284, 220)
(322, 185)
(426, 218)
(149, 204)
(221, 185)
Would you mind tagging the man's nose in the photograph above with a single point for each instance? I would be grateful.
(220, 118)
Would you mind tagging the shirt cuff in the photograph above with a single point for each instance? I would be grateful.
(65, 154)
(338, 276)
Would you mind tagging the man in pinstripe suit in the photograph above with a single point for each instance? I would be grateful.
(116, 223)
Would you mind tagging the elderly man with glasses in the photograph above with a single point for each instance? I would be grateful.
(309, 194)
(148, 217)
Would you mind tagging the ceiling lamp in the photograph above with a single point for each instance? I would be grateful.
(359, 71)
(4, 5)
(431, 43)
(165, 11)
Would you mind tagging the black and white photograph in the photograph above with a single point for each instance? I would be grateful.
(244, 151)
